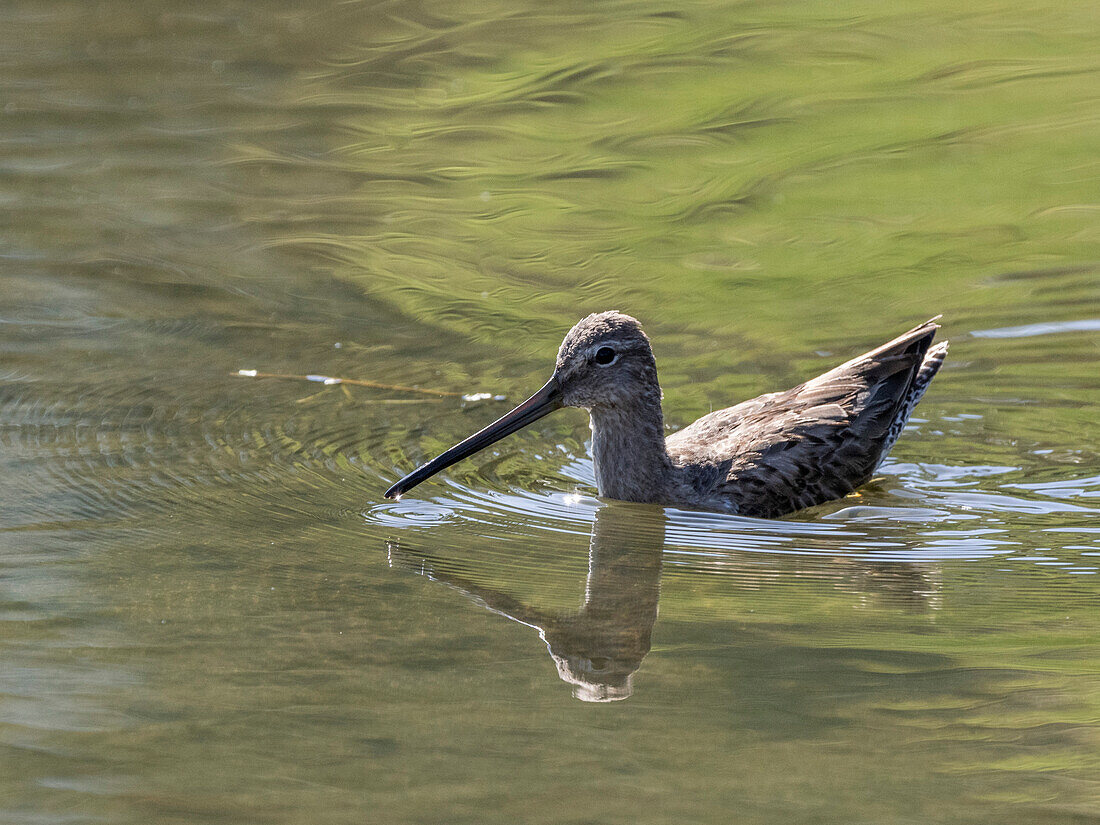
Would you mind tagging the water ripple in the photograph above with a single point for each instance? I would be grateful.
(1045, 328)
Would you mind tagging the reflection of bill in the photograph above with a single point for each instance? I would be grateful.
(598, 648)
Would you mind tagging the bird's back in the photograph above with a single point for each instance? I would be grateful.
(787, 450)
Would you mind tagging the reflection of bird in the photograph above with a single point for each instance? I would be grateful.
(597, 648)
(765, 457)
(912, 587)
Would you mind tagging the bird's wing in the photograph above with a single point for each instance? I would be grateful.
(818, 441)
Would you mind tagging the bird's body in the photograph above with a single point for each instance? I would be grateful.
(765, 457)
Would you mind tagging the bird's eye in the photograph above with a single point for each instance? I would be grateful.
(605, 356)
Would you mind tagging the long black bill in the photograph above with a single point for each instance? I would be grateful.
(543, 402)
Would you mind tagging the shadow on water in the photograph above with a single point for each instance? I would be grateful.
(600, 646)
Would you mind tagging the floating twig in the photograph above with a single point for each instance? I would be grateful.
(329, 380)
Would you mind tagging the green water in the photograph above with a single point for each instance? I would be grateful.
(208, 612)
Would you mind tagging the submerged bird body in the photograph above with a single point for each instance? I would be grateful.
(765, 457)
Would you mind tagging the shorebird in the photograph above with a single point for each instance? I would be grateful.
(765, 457)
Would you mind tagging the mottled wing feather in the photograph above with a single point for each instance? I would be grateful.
(818, 441)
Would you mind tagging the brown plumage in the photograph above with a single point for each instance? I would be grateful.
(765, 457)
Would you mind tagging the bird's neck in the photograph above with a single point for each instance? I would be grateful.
(628, 451)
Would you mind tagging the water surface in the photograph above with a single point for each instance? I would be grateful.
(208, 612)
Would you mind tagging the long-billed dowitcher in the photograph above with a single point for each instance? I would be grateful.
(765, 457)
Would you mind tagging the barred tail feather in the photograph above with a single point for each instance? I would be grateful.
(931, 364)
